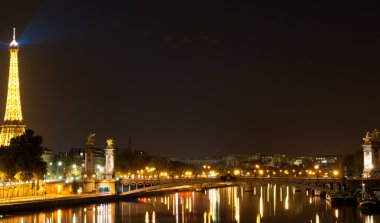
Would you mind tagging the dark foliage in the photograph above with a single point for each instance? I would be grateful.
(24, 157)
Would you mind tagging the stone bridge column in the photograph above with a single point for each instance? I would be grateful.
(89, 173)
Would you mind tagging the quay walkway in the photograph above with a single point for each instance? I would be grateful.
(50, 201)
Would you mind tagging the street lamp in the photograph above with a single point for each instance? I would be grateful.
(335, 173)
(316, 167)
(60, 171)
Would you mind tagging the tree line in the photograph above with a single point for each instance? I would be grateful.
(129, 160)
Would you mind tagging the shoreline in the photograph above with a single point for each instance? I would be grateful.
(76, 200)
(54, 203)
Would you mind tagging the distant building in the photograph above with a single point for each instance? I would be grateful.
(279, 160)
(266, 160)
(76, 158)
(49, 158)
(275, 160)
(326, 160)
(302, 161)
(235, 160)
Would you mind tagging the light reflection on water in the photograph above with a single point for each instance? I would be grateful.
(267, 203)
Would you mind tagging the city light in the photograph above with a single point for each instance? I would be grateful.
(13, 120)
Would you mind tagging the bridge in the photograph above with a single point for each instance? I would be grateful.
(136, 187)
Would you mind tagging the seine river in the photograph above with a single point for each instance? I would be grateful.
(267, 203)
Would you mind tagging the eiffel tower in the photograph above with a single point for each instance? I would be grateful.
(13, 125)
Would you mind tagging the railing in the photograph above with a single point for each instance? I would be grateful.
(325, 184)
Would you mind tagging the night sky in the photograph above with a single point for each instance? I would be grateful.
(191, 78)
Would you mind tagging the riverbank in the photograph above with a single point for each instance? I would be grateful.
(52, 202)
(55, 201)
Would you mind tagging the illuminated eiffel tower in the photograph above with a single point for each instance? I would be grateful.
(13, 123)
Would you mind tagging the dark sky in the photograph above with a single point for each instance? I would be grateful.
(190, 78)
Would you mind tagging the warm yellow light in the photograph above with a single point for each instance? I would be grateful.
(13, 120)
(316, 167)
(336, 213)
(335, 172)
(236, 172)
(261, 172)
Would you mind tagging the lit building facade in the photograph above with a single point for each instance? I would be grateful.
(110, 163)
(326, 160)
(371, 156)
(13, 125)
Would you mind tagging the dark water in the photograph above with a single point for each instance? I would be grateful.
(267, 203)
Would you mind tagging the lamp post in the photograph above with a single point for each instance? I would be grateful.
(335, 173)
(316, 167)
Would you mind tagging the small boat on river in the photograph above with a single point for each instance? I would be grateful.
(368, 206)
(369, 203)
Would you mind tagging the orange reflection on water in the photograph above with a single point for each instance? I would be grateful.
(368, 219)
(261, 210)
(274, 199)
(258, 218)
(287, 198)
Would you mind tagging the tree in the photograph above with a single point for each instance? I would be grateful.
(352, 164)
(25, 154)
(128, 160)
(7, 165)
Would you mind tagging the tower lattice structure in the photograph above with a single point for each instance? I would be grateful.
(13, 125)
